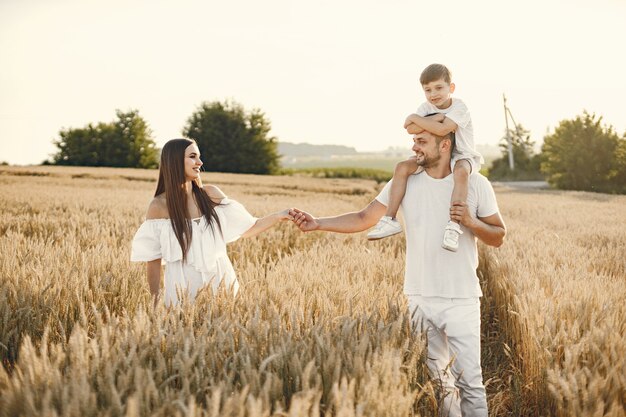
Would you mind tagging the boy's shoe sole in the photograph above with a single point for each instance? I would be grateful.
(378, 237)
(450, 248)
(384, 228)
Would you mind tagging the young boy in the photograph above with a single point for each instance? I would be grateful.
(440, 115)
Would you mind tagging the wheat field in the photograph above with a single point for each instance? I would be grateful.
(319, 326)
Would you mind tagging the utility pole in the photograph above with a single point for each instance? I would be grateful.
(509, 140)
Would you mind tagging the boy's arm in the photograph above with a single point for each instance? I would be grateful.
(414, 129)
(437, 124)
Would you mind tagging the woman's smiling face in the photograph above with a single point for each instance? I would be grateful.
(192, 162)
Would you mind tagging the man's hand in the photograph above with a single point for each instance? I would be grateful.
(304, 220)
(460, 214)
(490, 230)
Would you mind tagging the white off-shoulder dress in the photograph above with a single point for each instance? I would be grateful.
(207, 261)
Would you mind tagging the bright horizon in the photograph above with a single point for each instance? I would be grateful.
(342, 73)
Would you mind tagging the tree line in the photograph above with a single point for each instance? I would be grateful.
(230, 139)
(581, 153)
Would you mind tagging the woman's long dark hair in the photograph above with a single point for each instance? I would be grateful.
(171, 182)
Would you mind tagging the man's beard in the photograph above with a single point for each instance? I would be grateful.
(428, 161)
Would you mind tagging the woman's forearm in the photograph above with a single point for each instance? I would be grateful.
(153, 269)
(264, 223)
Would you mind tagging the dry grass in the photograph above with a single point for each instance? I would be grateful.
(320, 325)
(559, 286)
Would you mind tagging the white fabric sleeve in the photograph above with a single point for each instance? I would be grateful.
(146, 244)
(423, 110)
(235, 220)
(459, 114)
(487, 203)
(383, 196)
(474, 161)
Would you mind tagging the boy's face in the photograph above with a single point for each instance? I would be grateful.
(438, 93)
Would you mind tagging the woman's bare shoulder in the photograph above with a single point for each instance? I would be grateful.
(157, 209)
(214, 193)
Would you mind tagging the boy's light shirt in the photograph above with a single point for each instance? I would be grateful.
(459, 114)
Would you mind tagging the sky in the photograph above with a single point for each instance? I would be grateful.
(342, 72)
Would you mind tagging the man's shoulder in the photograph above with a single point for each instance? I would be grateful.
(479, 182)
(479, 179)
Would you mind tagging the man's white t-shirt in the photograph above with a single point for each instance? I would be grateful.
(432, 271)
(464, 134)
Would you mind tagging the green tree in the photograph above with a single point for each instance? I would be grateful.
(618, 173)
(233, 140)
(526, 160)
(125, 142)
(581, 154)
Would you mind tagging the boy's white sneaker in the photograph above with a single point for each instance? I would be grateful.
(385, 227)
(451, 236)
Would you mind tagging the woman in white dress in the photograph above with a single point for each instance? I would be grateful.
(188, 225)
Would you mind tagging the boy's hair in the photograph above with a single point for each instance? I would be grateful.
(435, 72)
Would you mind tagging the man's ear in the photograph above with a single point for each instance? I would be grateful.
(445, 144)
(452, 87)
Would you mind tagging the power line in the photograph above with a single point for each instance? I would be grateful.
(509, 140)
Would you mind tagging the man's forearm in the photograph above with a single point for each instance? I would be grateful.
(345, 223)
(489, 234)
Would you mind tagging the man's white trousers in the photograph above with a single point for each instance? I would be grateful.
(452, 326)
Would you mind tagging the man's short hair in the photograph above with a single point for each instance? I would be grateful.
(435, 72)
(450, 136)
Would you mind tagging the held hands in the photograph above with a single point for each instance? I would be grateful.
(285, 214)
(303, 220)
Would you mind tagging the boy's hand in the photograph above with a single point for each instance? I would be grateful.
(414, 129)
(409, 120)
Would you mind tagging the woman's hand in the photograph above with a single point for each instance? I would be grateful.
(285, 214)
(268, 221)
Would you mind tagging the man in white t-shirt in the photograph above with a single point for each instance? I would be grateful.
(442, 287)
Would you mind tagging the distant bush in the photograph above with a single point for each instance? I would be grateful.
(232, 139)
(582, 154)
(377, 175)
(125, 142)
(526, 161)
